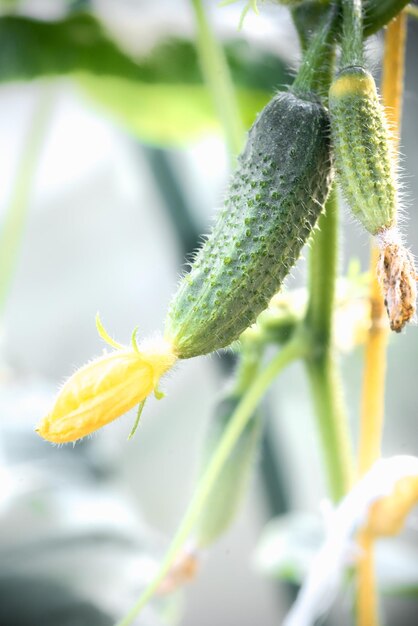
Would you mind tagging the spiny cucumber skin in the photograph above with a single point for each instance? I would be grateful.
(275, 197)
(362, 150)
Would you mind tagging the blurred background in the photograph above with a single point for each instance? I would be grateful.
(113, 164)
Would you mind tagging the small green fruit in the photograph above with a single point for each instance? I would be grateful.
(361, 143)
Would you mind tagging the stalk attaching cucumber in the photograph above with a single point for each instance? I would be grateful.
(227, 495)
(275, 197)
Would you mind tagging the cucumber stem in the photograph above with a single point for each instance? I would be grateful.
(321, 366)
(317, 59)
(297, 348)
(332, 423)
(218, 78)
(322, 272)
(352, 38)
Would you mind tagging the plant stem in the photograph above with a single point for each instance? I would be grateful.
(295, 349)
(13, 226)
(218, 79)
(317, 58)
(352, 40)
(321, 367)
(332, 423)
(322, 272)
(372, 405)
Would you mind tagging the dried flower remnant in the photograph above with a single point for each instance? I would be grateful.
(397, 277)
(106, 388)
(183, 571)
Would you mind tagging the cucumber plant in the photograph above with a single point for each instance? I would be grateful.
(276, 195)
(281, 188)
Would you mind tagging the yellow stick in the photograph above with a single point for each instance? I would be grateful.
(372, 405)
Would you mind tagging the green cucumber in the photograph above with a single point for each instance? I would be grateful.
(363, 155)
(366, 166)
(275, 197)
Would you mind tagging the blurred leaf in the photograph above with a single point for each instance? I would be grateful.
(397, 567)
(160, 98)
(162, 113)
(32, 48)
(288, 545)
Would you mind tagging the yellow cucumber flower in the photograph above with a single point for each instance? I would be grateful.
(106, 388)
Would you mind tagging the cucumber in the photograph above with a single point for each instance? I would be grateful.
(366, 168)
(363, 157)
(275, 197)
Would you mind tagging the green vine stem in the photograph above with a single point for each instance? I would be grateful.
(352, 41)
(297, 348)
(331, 419)
(315, 68)
(321, 366)
(216, 73)
(13, 226)
(322, 273)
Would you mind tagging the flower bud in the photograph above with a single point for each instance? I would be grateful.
(105, 389)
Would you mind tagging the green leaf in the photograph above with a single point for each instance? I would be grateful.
(32, 48)
(160, 98)
(162, 113)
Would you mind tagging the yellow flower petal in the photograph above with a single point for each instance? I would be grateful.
(105, 389)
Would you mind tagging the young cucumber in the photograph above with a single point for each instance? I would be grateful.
(363, 156)
(275, 197)
(366, 167)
